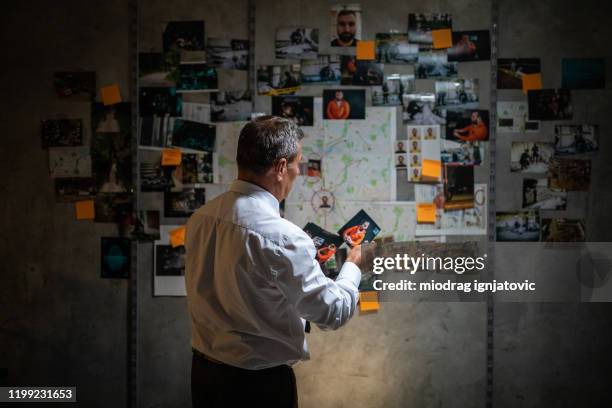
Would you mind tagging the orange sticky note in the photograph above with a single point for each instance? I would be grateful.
(365, 50)
(110, 94)
(431, 169)
(442, 38)
(171, 157)
(85, 210)
(368, 301)
(177, 237)
(532, 81)
(426, 212)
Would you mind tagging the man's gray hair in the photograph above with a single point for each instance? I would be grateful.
(265, 140)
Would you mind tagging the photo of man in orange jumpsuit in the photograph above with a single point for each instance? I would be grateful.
(477, 130)
(360, 229)
(326, 252)
(338, 108)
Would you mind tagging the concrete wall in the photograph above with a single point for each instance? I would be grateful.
(62, 324)
(554, 354)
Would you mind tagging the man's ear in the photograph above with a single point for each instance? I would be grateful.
(280, 168)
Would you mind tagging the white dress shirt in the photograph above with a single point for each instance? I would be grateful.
(252, 278)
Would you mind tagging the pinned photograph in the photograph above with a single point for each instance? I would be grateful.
(299, 109)
(197, 168)
(198, 112)
(510, 71)
(360, 72)
(435, 64)
(550, 104)
(421, 25)
(415, 159)
(563, 230)
(111, 161)
(113, 208)
(159, 101)
(583, 73)
(155, 131)
(569, 174)
(61, 132)
(196, 77)
(517, 226)
(531, 157)
(71, 189)
(184, 35)
(297, 43)
(391, 91)
(183, 203)
(345, 25)
(394, 48)
(538, 196)
(414, 146)
(414, 174)
(313, 168)
(470, 46)
(115, 258)
(278, 79)
(343, 104)
(400, 146)
(146, 226)
(325, 69)
(325, 201)
(193, 135)
(467, 125)
(401, 161)
(230, 106)
(576, 139)
(169, 261)
(360, 229)
(69, 162)
(111, 119)
(419, 109)
(325, 242)
(228, 53)
(457, 93)
(75, 85)
(156, 69)
(462, 153)
(513, 117)
(153, 176)
(458, 187)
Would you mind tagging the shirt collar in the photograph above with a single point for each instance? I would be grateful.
(253, 190)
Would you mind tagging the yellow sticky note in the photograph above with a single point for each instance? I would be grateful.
(426, 212)
(368, 301)
(365, 50)
(171, 157)
(532, 81)
(177, 237)
(442, 38)
(85, 210)
(431, 169)
(110, 94)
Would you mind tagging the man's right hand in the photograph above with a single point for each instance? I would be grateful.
(355, 254)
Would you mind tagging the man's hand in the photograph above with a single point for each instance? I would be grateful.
(356, 254)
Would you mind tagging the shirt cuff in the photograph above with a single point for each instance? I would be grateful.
(351, 272)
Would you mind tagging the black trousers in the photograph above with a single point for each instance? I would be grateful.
(216, 385)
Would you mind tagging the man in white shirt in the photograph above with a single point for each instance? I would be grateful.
(252, 279)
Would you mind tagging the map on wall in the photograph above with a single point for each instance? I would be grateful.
(346, 166)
